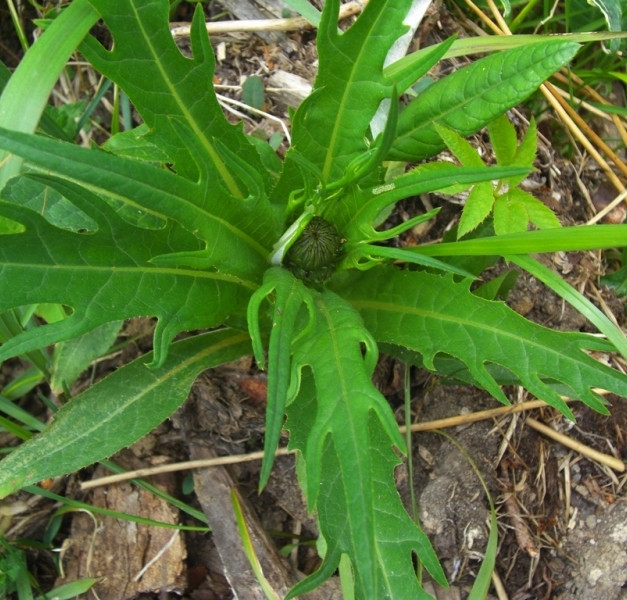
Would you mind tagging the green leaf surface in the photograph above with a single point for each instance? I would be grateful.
(524, 154)
(46, 201)
(290, 295)
(330, 125)
(433, 314)
(166, 86)
(133, 144)
(473, 96)
(504, 141)
(514, 209)
(463, 150)
(26, 93)
(107, 276)
(70, 590)
(346, 431)
(253, 92)
(477, 208)
(233, 230)
(71, 358)
(118, 410)
(580, 237)
(494, 43)
(407, 70)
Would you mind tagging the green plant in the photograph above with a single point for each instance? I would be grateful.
(15, 578)
(512, 208)
(286, 257)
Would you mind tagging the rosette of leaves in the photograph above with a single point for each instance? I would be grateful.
(284, 258)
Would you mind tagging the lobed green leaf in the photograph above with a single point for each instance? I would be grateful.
(166, 86)
(330, 125)
(345, 431)
(433, 314)
(231, 229)
(106, 276)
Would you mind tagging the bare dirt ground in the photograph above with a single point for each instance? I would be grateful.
(562, 516)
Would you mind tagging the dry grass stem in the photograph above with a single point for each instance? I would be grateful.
(180, 466)
(605, 459)
(561, 107)
(586, 132)
(478, 416)
(239, 458)
(609, 208)
(618, 121)
(289, 24)
(499, 588)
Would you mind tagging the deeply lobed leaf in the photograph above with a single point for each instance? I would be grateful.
(433, 314)
(166, 86)
(330, 129)
(345, 430)
(106, 276)
(330, 125)
(230, 229)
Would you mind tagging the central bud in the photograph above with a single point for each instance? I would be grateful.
(314, 254)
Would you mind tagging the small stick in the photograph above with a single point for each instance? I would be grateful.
(426, 426)
(289, 24)
(605, 459)
(180, 466)
(478, 416)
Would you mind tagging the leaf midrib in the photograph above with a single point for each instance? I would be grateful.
(336, 131)
(215, 158)
(438, 316)
(352, 432)
(461, 106)
(135, 270)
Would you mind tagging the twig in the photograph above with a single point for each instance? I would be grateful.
(426, 426)
(605, 459)
(478, 416)
(180, 466)
(289, 24)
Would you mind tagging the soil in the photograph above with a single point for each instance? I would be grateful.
(562, 517)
